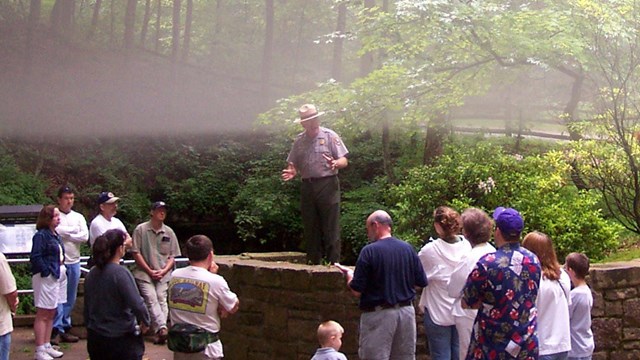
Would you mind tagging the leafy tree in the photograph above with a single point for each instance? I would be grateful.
(609, 161)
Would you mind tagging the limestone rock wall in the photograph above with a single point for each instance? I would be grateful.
(616, 310)
(283, 303)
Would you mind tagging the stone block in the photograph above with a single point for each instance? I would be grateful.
(614, 275)
(625, 355)
(600, 356)
(607, 333)
(236, 346)
(631, 345)
(246, 318)
(244, 274)
(620, 294)
(292, 300)
(328, 278)
(267, 277)
(613, 308)
(276, 317)
(598, 305)
(631, 313)
(303, 329)
(631, 334)
(297, 279)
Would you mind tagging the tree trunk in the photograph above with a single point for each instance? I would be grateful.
(338, 42)
(267, 53)
(386, 148)
(433, 144)
(158, 19)
(62, 16)
(366, 61)
(175, 38)
(94, 19)
(35, 7)
(187, 31)
(572, 105)
(145, 23)
(112, 21)
(129, 24)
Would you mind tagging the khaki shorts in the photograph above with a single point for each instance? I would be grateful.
(48, 291)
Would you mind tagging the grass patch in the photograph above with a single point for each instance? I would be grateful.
(629, 249)
(622, 255)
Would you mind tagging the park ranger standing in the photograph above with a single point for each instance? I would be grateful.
(317, 154)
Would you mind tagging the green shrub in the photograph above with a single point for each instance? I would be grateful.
(485, 176)
(356, 206)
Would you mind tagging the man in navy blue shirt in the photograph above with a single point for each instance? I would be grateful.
(385, 279)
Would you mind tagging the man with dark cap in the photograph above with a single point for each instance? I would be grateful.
(106, 219)
(155, 247)
(317, 154)
(74, 232)
(504, 287)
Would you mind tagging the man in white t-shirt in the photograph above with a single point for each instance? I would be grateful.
(197, 295)
(8, 304)
(106, 220)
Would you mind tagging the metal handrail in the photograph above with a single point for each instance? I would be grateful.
(83, 268)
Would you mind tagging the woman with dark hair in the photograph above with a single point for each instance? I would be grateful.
(476, 227)
(113, 306)
(49, 279)
(554, 336)
(439, 257)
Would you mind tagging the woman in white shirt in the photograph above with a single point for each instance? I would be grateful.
(553, 301)
(439, 257)
(477, 227)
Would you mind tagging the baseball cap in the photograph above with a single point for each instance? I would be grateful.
(508, 220)
(158, 204)
(65, 189)
(107, 197)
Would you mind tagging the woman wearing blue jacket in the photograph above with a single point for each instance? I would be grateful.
(49, 279)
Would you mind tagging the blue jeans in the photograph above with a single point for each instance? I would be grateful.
(556, 356)
(443, 340)
(580, 358)
(62, 322)
(5, 346)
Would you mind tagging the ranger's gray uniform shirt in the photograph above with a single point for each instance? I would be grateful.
(306, 153)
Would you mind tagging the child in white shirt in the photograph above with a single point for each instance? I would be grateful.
(582, 344)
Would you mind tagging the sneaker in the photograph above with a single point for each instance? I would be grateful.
(161, 336)
(42, 355)
(68, 338)
(53, 353)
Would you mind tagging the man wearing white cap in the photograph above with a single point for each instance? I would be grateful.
(317, 154)
(106, 220)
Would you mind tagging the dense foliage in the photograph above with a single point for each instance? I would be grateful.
(484, 175)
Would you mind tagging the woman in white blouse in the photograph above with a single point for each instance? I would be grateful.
(439, 257)
(553, 301)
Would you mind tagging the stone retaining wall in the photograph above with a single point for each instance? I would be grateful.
(616, 310)
(282, 303)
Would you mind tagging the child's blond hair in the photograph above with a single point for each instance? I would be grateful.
(327, 330)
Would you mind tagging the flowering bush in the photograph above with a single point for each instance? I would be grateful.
(485, 176)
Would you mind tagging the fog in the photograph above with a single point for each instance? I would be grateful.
(75, 93)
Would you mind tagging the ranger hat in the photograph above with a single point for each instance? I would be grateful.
(308, 112)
